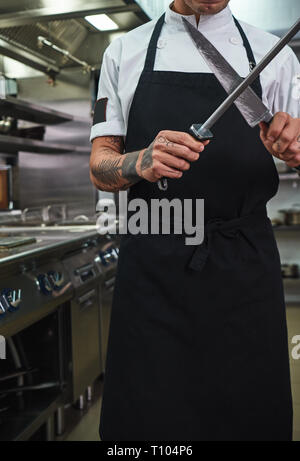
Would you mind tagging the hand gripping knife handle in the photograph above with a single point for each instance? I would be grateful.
(200, 133)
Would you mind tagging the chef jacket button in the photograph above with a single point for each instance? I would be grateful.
(161, 43)
(235, 41)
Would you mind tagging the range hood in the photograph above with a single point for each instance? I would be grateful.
(63, 24)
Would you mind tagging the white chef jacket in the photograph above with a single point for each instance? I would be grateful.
(124, 59)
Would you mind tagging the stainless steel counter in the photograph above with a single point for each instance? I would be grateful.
(47, 240)
(58, 289)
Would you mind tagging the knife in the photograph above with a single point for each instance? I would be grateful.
(239, 86)
(249, 104)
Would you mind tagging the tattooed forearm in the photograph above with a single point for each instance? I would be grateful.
(114, 171)
(115, 141)
(108, 171)
(129, 166)
(111, 170)
(147, 159)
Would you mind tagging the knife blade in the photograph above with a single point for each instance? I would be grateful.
(249, 104)
(202, 132)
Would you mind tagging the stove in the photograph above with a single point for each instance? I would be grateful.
(41, 267)
(62, 276)
(12, 242)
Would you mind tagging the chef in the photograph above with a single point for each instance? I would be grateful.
(198, 340)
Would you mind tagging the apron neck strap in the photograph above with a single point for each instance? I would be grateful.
(151, 53)
(256, 85)
(251, 58)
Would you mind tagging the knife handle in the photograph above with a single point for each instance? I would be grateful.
(200, 134)
(296, 168)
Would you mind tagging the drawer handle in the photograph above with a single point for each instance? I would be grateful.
(87, 297)
(110, 283)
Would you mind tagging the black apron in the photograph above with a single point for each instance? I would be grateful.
(198, 340)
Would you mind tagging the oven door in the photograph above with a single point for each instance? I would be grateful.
(106, 296)
(86, 347)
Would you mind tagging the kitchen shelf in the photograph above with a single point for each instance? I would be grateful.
(13, 144)
(292, 290)
(288, 176)
(284, 228)
(24, 110)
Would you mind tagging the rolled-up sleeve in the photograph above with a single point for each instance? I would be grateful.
(108, 117)
(287, 88)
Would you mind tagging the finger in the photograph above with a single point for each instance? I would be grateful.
(286, 137)
(175, 162)
(263, 136)
(277, 125)
(178, 150)
(294, 148)
(286, 157)
(264, 127)
(295, 162)
(169, 172)
(290, 152)
(182, 138)
(160, 170)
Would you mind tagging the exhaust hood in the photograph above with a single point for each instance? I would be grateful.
(63, 24)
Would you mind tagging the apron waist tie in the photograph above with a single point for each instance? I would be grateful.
(228, 228)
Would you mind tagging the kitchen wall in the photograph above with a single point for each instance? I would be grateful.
(59, 178)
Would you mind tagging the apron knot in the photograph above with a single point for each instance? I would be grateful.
(228, 228)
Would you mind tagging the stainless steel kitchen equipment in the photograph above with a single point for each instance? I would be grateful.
(6, 192)
(85, 320)
(290, 271)
(22, 22)
(37, 159)
(291, 216)
(31, 112)
(50, 298)
(107, 260)
(42, 41)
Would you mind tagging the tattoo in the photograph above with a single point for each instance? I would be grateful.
(114, 140)
(129, 167)
(108, 151)
(147, 159)
(163, 140)
(116, 172)
(108, 171)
